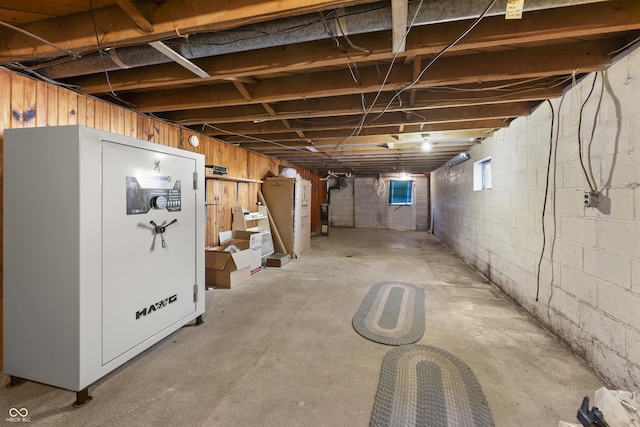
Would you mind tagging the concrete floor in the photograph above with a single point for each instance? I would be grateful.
(280, 350)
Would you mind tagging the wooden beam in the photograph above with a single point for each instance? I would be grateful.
(538, 27)
(417, 67)
(345, 133)
(479, 94)
(242, 89)
(495, 66)
(269, 110)
(399, 11)
(353, 151)
(76, 32)
(449, 115)
(135, 15)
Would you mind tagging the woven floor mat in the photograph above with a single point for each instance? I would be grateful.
(426, 386)
(392, 313)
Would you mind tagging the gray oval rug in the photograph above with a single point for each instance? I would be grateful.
(426, 386)
(392, 313)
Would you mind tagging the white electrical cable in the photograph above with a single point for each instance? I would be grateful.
(433, 60)
(379, 187)
(362, 121)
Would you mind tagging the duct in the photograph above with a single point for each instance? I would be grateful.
(305, 28)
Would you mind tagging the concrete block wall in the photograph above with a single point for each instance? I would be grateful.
(422, 204)
(358, 205)
(588, 284)
(341, 213)
(370, 210)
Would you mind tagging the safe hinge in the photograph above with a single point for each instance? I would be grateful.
(195, 293)
(195, 180)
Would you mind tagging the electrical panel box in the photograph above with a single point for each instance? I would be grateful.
(103, 250)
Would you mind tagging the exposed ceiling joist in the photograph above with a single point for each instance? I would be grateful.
(76, 32)
(538, 27)
(448, 115)
(494, 66)
(399, 9)
(491, 124)
(314, 95)
(476, 94)
(137, 17)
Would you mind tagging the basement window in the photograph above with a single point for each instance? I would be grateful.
(482, 175)
(400, 192)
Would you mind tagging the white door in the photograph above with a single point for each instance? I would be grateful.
(148, 277)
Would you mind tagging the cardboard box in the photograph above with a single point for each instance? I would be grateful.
(278, 260)
(255, 245)
(227, 269)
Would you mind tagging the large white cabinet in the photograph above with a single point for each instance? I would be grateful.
(103, 250)
(289, 202)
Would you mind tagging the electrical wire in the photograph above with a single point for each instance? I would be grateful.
(359, 128)
(344, 34)
(71, 53)
(556, 83)
(435, 58)
(287, 30)
(592, 185)
(354, 74)
(554, 204)
(631, 43)
(95, 29)
(350, 63)
(362, 122)
(304, 150)
(257, 35)
(183, 41)
(53, 82)
(379, 187)
(544, 83)
(552, 159)
(593, 131)
(544, 203)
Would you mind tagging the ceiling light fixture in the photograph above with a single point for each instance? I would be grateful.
(426, 146)
(458, 159)
(311, 148)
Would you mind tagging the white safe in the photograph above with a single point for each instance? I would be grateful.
(103, 250)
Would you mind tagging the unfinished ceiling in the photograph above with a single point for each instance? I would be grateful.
(327, 85)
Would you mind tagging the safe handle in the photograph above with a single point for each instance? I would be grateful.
(160, 229)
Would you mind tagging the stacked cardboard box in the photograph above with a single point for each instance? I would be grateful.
(235, 260)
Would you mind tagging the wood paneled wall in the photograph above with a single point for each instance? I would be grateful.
(25, 102)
